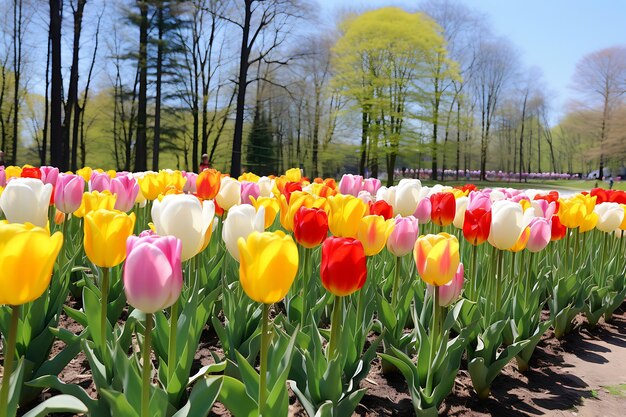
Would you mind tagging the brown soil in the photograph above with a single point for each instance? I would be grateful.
(570, 377)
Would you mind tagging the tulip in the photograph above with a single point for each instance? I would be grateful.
(265, 186)
(185, 217)
(12, 171)
(507, 224)
(558, 231)
(521, 241)
(423, 211)
(49, 175)
(408, 193)
(443, 208)
(351, 184)
(95, 200)
(268, 265)
(345, 214)
(402, 238)
(310, 226)
(450, 292)
(249, 190)
(208, 184)
(477, 225)
(126, 189)
(99, 181)
(622, 226)
(461, 207)
(105, 237)
(29, 171)
(540, 234)
(169, 179)
(149, 185)
(229, 194)
(343, 269)
(293, 175)
(578, 212)
(289, 188)
(153, 275)
(85, 172)
(437, 258)
(366, 197)
(68, 193)
(3, 177)
(544, 208)
(241, 222)
(381, 208)
(373, 233)
(371, 185)
(610, 216)
(271, 205)
(27, 255)
(190, 182)
(26, 200)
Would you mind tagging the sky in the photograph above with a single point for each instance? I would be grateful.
(552, 35)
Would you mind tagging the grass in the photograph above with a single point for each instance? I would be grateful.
(616, 390)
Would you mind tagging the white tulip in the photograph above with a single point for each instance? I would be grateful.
(459, 217)
(610, 216)
(266, 185)
(229, 194)
(26, 200)
(184, 216)
(507, 224)
(408, 193)
(241, 221)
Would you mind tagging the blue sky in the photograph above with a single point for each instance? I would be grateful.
(549, 34)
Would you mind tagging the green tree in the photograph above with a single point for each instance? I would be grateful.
(261, 152)
(381, 63)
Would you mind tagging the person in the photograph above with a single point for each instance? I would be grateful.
(611, 182)
(205, 164)
(1, 158)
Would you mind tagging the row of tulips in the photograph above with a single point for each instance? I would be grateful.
(311, 280)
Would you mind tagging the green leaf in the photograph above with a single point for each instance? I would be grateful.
(235, 398)
(118, 403)
(58, 404)
(203, 395)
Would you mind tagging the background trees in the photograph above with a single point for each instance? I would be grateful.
(267, 85)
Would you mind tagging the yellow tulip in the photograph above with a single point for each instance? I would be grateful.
(95, 200)
(150, 186)
(272, 207)
(345, 215)
(622, 226)
(112, 173)
(268, 265)
(248, 176)
(437, 258)
(106, 232)
(27, 255)
(12, 171)
(168, 179)
(373, 233)
(293, 175)
(85, 172)
(578, 211)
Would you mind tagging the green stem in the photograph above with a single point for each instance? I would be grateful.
(434, 338)
(474, 273)
(103, 310)
(396, 283)
(567, 246)
(576, 239)
(9, 354)
(305, 284)
(265, 344)
(499, 280)
(603, 268)
(334, 327)
(527, 286)
(171, 352)
(146, 368)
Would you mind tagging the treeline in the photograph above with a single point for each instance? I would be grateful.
(267, 85)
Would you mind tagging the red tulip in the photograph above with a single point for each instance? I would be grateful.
(289, 188)
(208, 184)
(443, 208)
(343, 270)
(310, 226)
(381, 208)
(558, 230)
(31, 172)
(477, 225)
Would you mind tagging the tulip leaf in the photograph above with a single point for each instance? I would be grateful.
(118, 403)
(249, 375)
(76, 315)
(58, 404)
(208, 369)
(235, 398)
(71, 390)
(202, 398)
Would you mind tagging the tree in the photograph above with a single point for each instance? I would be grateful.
(59, 150)
(600, 79)
(380, 62)
(141, 145)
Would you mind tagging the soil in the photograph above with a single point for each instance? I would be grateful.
(582, 375)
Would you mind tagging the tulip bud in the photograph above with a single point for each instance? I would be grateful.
(68, 193)
(241, 222)
(105, 237)
(26, 200)
(310, 226)
(423, 211)
(476, 225)
(402, 238)
(507, 224)
(345, 213)
(437, 258)
(371, 185)
(153, 275)
(351, 184)
(443, 208)
(126, 189)
(540, 234)
(268, 264)
(229, 194)
(610, 216)
(27, 255)
(373, 233)
(208, 184)
(343, 269)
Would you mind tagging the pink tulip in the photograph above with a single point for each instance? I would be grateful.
(423, 210)
(249, 189)
(371, 185)
(190, 184)
(3, 177)
(126, 188)
(153, 276)
(449, 292)
(99, 181)
(68, 192)
(351, 184)
(543, 208)
(403, 237)
(479, 199)
(366, 197)
(540, 234)
(49, 175)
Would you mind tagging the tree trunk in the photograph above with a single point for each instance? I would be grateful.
(17, 73)
(365, 122)
(521, 138)
(157, 105)
(141, 146)
(44, 141)
(57, 147)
